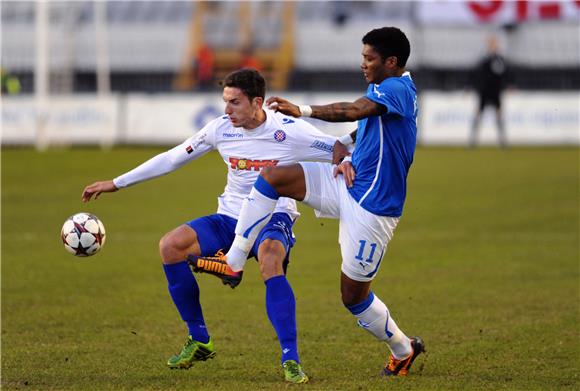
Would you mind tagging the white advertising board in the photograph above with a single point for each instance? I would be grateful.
(531, 118)
(168, 119)
(163, 119)
(445, 118)
(83, 119)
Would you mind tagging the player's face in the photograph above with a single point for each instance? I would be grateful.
(375, 70)
(240, 110)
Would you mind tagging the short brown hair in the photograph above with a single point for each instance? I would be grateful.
(248, 80)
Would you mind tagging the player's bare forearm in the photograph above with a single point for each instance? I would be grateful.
(97, 188)
(348, 111)
(334, 112)
(339, 151)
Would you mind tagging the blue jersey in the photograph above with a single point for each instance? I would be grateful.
(385, 146)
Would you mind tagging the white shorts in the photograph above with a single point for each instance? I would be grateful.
(363, 236)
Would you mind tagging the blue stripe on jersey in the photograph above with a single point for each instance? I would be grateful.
(378, 171)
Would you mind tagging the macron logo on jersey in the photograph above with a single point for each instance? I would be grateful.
(286, 120)
(232, 135)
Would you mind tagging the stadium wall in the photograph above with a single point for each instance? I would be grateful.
(539, 118)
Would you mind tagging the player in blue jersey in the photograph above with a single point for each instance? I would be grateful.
(368, 197)
(248, 139)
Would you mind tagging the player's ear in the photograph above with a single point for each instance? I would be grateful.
(258, 101)
(391, 62)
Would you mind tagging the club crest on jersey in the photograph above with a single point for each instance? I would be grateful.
(251, 165)
(189, 149)
(279, 135)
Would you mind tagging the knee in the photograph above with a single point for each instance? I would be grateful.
(168, 249)
(271, 260)
(352, 297)
(349, 299)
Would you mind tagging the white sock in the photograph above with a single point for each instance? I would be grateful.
(377, 320)
(255, 214)
(238, 255)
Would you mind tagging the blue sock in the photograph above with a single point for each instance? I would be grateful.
(281, 308)
(185, 294)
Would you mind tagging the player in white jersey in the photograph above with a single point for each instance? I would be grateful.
(367, 199)
(249, 139)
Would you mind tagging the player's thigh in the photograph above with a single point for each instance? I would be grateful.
(287, 180)
(322, 189)
(214, 233)
(274, 242)
(178, 243)
(363, 239)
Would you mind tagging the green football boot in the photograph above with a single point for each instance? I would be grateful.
(293, 372)
(192, 351)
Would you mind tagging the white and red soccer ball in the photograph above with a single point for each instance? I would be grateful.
(83, 234)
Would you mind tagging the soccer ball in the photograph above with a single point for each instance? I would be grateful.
(83, 234)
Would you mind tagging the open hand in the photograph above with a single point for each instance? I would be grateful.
(345, 168)
(97, 188)
(282, 105)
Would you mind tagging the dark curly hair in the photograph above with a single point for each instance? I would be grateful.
(248, 80)
(389, 41)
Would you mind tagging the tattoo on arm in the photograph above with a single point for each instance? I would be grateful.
(348, 111)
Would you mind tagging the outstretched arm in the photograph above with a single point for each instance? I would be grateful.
(334, 112)
(152, 168)
(161, 164)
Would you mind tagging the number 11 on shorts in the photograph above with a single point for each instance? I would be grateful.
(361, 251)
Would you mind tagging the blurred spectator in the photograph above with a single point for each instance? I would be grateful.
(204, 67)
(490, 79)
(10, 83)
(249, 59)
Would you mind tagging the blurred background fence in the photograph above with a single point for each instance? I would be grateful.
(109, 72)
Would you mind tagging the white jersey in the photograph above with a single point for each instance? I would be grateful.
(280, 140)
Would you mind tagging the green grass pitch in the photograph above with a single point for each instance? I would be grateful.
(484, 266)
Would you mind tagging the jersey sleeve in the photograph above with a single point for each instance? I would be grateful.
(389, 94)
(168, 161)
(311, 143)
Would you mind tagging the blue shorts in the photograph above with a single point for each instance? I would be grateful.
(216, 232)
